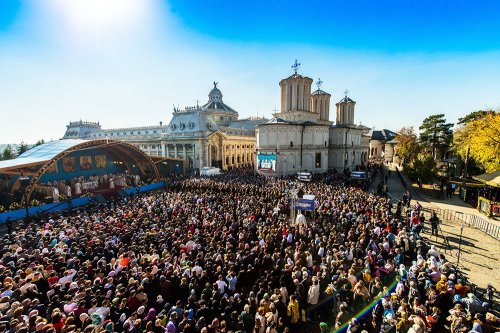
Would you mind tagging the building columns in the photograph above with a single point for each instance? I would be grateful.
(163, 149)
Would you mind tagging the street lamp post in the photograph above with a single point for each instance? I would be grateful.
(460, 244)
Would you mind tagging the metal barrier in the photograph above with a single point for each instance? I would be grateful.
(485, 226)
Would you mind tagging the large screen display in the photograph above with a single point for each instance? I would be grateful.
(266, 162)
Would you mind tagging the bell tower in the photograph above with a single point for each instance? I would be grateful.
(296, 92)
(320, 103)
(345, 111)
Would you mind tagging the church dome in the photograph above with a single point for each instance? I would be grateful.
(215, 94)
(215, 103)
(346, 100)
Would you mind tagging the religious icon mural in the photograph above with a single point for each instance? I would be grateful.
(85, 163)
(52, 168)
(69, 164)
(100, 161)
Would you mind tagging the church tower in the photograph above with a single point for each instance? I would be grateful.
(320, 102)
(345, 111)
(296, 92)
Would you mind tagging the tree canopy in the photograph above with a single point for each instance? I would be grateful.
(22, 148)
(481, 136)
(473, 116)
(436, 133)
(39, 142)
(8, 153)
(408, 146)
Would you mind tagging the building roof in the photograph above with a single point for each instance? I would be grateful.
(320, 92)
(383, 135)
(276, 120)
(215, 102)
(247, 124)
(281, 121)
(346, 100)
(363, 127)
(492, 178)
(218, 106)
(192, 121)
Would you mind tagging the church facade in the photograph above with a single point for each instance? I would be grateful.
(210, 135)
(301, 136)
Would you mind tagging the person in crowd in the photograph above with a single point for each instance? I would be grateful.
(215, 255)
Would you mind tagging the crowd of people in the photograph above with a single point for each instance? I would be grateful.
(219, 254)
(81, 185)
(59, 189)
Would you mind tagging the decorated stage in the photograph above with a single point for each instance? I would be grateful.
(106, 193)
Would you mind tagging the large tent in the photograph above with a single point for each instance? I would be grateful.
(53, 158)
(492, 178)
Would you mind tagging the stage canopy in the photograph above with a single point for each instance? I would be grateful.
(66, 159)
(492, 178)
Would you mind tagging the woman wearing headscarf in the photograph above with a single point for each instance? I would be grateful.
(151, 316)
(109, 327)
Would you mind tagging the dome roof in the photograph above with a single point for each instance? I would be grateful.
(215, 102)
(319, 92)
(215, 94)
(346, 100)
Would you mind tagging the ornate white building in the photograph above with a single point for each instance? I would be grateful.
(208, 135)
(301, 136)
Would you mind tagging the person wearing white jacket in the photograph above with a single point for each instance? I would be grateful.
(313, 298)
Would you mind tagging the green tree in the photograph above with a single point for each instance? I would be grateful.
(39, 142)
(8, 153)
(422, 168)
(408, 146)
(474, 116)
(479, 139)
(436, 133)
(22, 148)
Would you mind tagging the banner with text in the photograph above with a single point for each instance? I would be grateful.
(307, 202)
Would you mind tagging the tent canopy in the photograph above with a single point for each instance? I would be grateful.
(38, 160)
(492, 178)
(39, 154)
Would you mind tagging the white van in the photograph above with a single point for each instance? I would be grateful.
(209, 171)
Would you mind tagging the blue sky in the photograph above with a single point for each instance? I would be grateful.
(127, 62)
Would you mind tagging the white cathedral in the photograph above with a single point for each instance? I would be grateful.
(301, 136)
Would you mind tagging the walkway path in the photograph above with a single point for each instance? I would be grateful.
(480, 253)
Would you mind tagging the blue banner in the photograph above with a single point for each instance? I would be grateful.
(305, 204)
(357, 175)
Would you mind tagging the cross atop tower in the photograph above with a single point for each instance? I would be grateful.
(319, 83)
(296, 66)
(346, 92)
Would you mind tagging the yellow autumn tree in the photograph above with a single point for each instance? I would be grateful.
(481, 136)
(408, 146)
